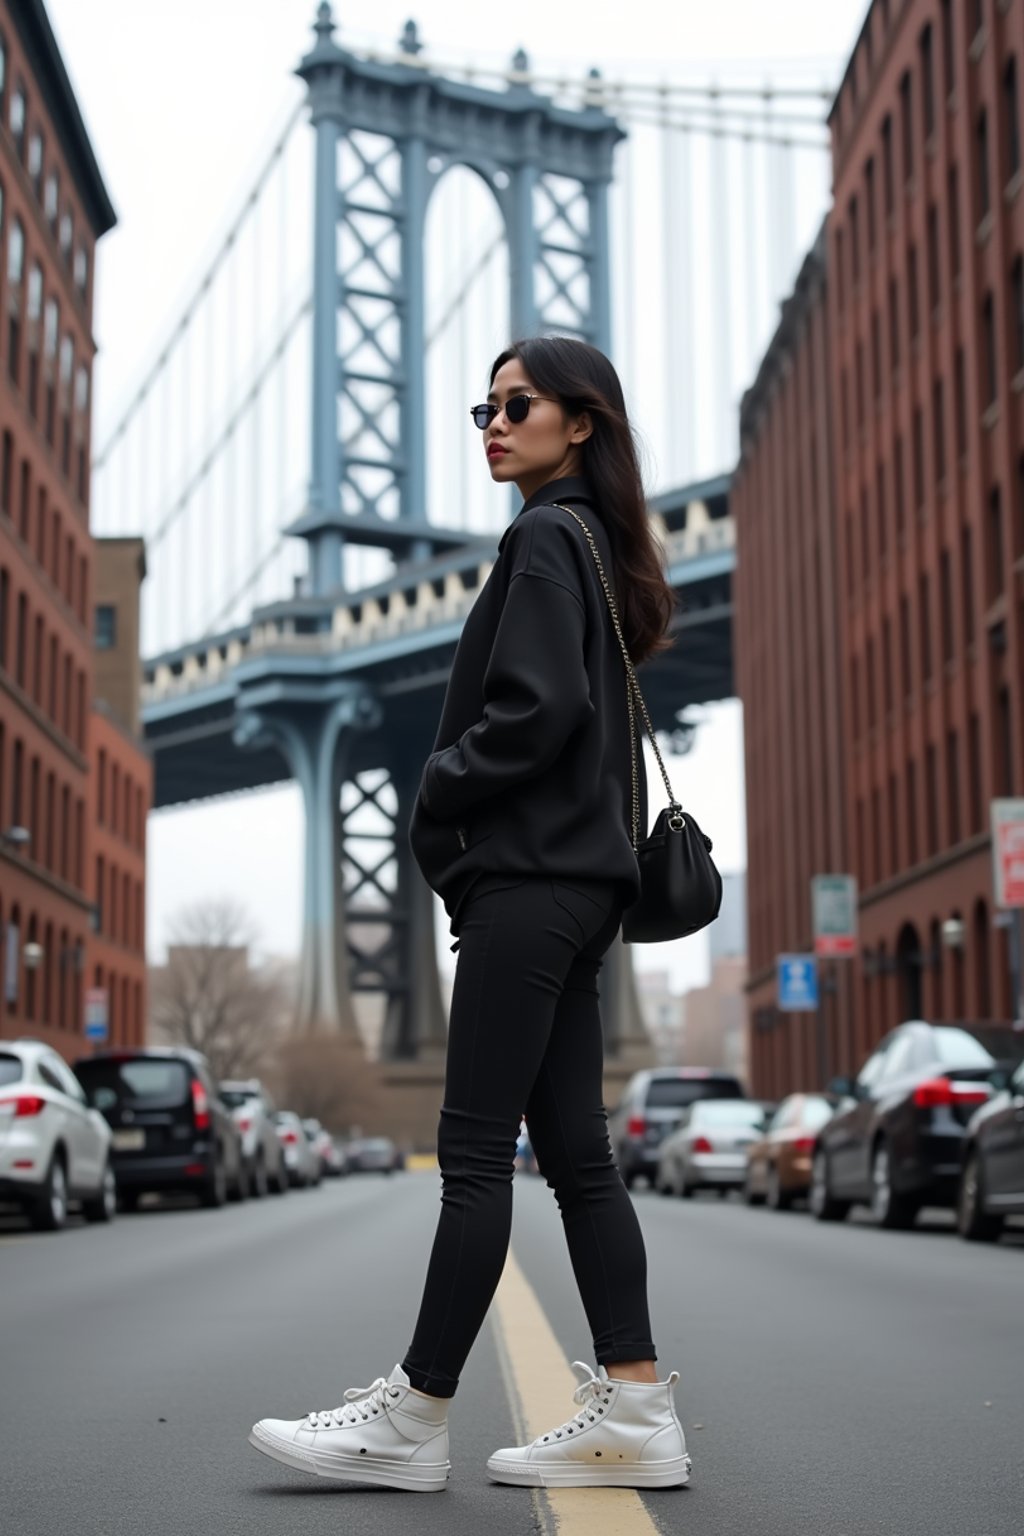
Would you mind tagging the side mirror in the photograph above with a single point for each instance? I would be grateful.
(999, 1077)
(843, 1087)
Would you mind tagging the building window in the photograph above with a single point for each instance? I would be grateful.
(988, 333)
(939, 430)
(880, 510)
(946, 604)
(932, 796)
(953, 198)
(974, 772)
(905, 664)
(887, 171)
(953, 786)
(81, 270)
(995, 544)
(876, 356)
(887, 664)
(106, 627)
(948, 51)
(918, 458)
(898, 481)
(15, 272)
(1017, 289)
(854, 217)
(928, 80)
(933, 256)
(925, 615)
(960, 390)
(912, 812)
(981, 148)
(1011, 107)
(19, 113)
(51, 198)
(1003, 743)
(894, 323)
(35, 161)
(907, 123)
(869, 200)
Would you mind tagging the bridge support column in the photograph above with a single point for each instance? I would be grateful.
(415, 1025)
(627, 1042)
(315, 739)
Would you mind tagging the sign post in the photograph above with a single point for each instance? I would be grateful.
(834, 915)
(96, 1014)
(1007, 821)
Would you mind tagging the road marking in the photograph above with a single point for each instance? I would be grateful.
(540, 1385)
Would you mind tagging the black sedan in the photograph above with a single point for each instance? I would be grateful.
(896, 1140)
(992, 1184)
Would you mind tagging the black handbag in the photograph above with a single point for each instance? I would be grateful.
(680, 887)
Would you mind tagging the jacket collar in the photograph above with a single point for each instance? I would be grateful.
(567, 488)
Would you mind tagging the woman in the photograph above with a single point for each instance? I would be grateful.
(523, 826)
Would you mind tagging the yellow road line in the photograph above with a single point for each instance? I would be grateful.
(540, 1387)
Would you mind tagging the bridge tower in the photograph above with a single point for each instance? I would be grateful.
(385, 134)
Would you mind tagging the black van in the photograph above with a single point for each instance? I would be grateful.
(170, 1130)
(652, 1105)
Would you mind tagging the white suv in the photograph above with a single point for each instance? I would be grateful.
(53, 1147)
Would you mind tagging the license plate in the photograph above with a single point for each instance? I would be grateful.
(128, 1141)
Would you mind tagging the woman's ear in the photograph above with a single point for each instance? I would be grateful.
(582, 428)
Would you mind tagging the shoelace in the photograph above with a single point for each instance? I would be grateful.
(591, 1388)
(358, 1400)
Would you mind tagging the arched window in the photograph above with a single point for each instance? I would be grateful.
(981, 962)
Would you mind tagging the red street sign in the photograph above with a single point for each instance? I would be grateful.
(832, 944)
(1008, 852)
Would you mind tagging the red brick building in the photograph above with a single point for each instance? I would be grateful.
(924, 497)
(53, 209)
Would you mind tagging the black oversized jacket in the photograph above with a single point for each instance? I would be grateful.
(530, 771)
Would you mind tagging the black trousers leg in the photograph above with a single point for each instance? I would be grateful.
(522, 941)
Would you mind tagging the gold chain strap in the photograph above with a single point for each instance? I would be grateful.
(631, 686)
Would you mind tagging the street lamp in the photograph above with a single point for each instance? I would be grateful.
(32, 954)
(16, 838)
(954, 933)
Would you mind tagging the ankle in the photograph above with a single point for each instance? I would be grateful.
(638, 1372)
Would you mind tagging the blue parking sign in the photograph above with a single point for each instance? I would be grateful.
(797, 978)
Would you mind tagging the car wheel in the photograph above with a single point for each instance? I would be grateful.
(685, 1189)
(215, 1190)
(50, 1211)
(258, 1185)
(750, 1194)
(824, 1206)
(972, 1220)
(128, 1200)
(103, 1205)
(663, 1185)
(891, 1210)
(779, 1199)
(240, 1189)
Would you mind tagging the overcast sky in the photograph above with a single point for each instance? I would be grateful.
(182, 103)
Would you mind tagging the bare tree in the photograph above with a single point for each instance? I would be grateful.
(209, 997)
(325, 1075)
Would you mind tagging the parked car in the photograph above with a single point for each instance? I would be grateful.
(708, 1149)
(169, 1129)
(371, 1154)
(253, 1112)
(779, 1164)
(54, 1149)
(651, 1107)
(896, 1140)
(992, 1181)
(322, 1143)
(337, 1158)
(300, 1157)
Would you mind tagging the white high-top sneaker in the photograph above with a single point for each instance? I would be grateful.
(385, 1433)
(627, 1435)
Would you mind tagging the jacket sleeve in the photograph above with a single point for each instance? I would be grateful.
(536, 694)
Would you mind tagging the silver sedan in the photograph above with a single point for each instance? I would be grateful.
(708, 1149)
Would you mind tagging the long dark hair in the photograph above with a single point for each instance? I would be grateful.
(582, 379)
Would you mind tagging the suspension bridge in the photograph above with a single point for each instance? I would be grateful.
(297, 459)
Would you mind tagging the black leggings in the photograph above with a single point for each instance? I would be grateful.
(524, 1037)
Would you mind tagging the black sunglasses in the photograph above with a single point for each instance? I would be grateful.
(516, 408)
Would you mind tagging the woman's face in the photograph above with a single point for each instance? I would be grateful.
(544, 447)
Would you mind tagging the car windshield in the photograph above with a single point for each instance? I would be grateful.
(742, 1112)
(10, 1070)
(677, 1092)
(956, 1048)
(234, 1098)
(815, 1113)
(376, 1144)
(150, 1080)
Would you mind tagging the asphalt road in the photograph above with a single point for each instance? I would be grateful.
(836, 1381)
